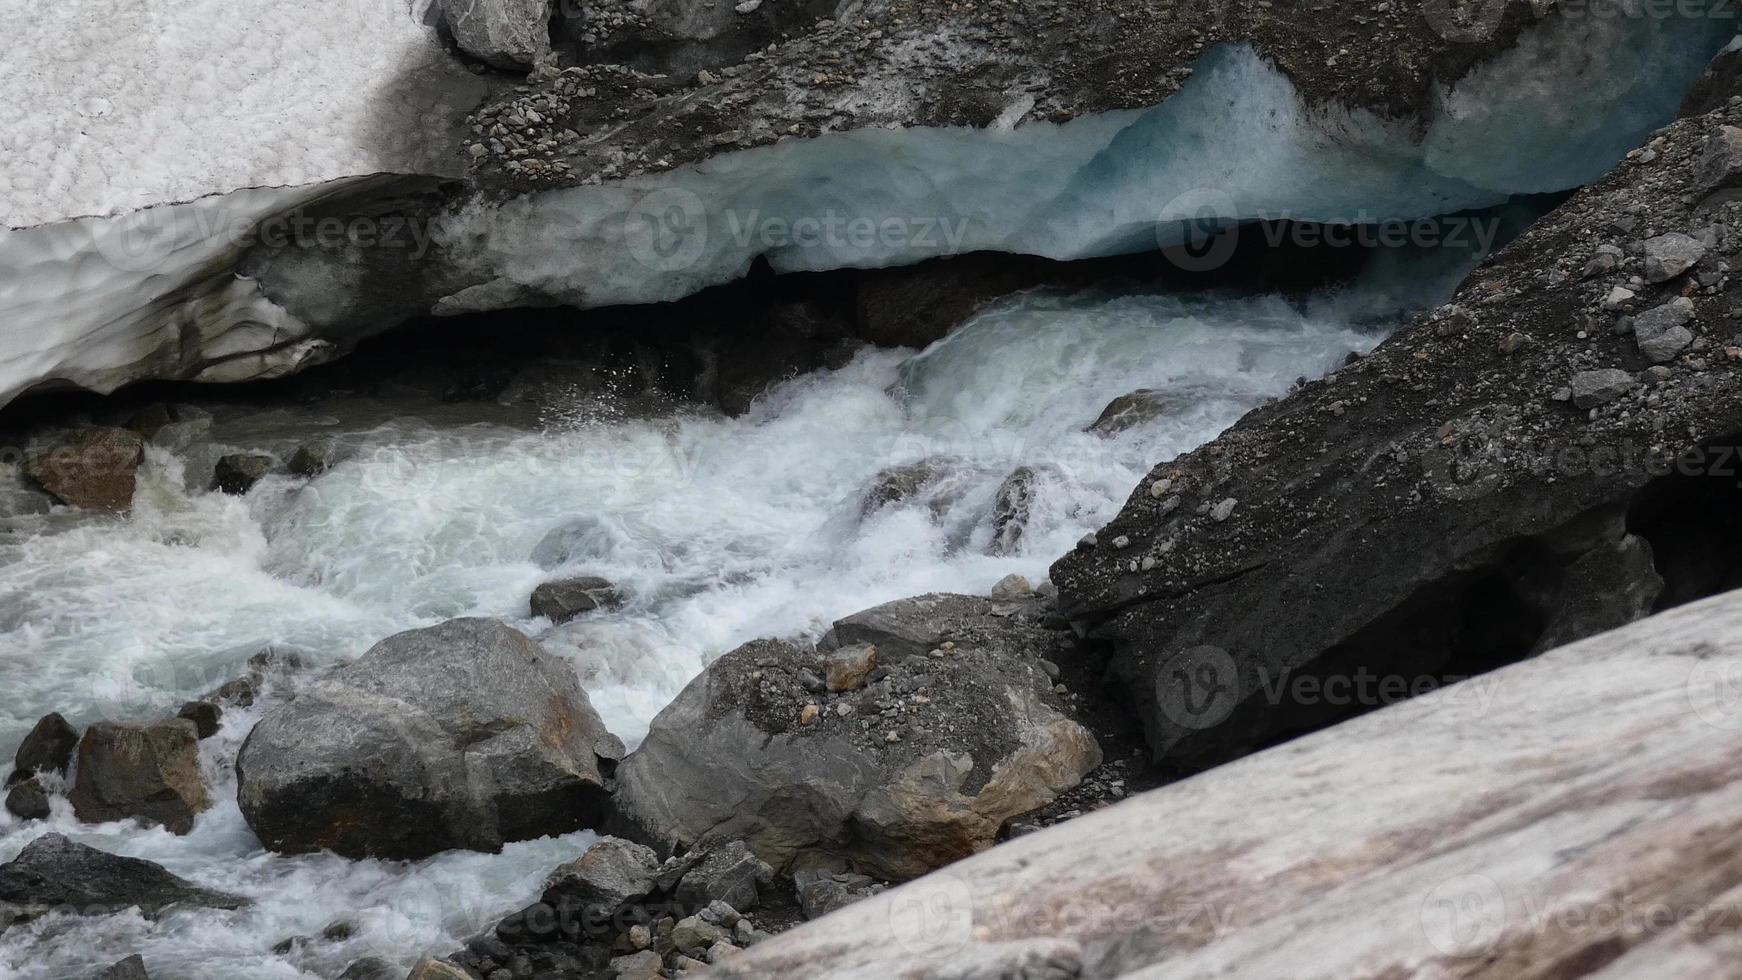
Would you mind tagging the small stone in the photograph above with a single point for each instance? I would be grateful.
(1618, 297)
(1160, 488)
(1012, 587)
(637, 966)
(1593, 388)
(1514, 342)
(478, 151)
(640, 937)
(846, 669)
(237, 473)
(310, 461)
(1668, 256)
(748, 6)
(28, 800)
(1121, 542)
(566, 599)
(892, 737)
(1660, 332)
(204, 714)
(1224, 510)
(722, 951)
(808, 714)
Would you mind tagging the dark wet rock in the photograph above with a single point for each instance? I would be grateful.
(1131, 410)
(94, 468)
(131, 968)
(27, 800)
(961, 731)
(430, 968)
(563, 600)
(1440, 508)
(149, 772)
(237, 473)
(919, 305)
(311, 460)
(272, 668)
(745, 372)
(937, 479)
(48, 748)
(204, 714)
(53, 873)
(462, 735)
(151, 419)
(370, 968)
(1011, 508)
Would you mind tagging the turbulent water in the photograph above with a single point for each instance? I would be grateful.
(721, 530)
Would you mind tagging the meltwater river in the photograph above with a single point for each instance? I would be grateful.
(721, 530)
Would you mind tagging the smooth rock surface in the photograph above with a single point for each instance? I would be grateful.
(462, 735)
(1571, 815)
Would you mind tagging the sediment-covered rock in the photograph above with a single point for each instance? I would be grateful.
(53, 874)
(1458, 498)
(462, 735)
(957, 731)
(1571, 815)
(148, 772)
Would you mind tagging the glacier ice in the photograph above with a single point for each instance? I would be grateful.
(1236, 143)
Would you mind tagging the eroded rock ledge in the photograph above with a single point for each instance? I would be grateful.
(1551, 453)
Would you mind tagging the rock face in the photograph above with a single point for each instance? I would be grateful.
(53, 873)
(146, 772)
(510, 34)
(94, 469)
(1567, 812)
(917, 769)
(564, 600)
(463, 735)
(1379, 507)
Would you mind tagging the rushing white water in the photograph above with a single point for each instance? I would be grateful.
(721, 530)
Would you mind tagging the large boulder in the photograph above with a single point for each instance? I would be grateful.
(958, 731)
(462, 735)
(563, 600)
(1569, 816)
(150, 773)
(509, 34)
(94, 468)
(53, 873)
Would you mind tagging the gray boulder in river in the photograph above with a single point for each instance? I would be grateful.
(54, 874)
(895, 770)
(462, 735)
